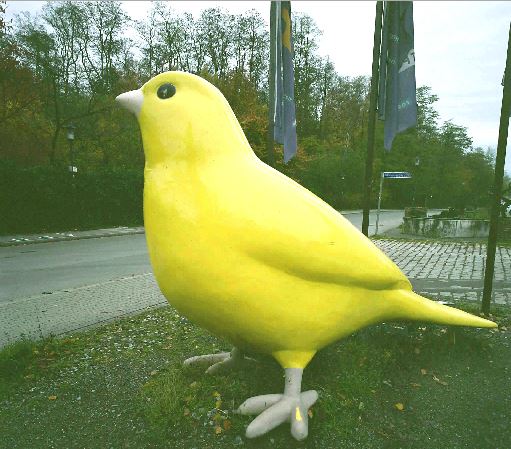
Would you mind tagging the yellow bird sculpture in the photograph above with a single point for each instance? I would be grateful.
(252, 256)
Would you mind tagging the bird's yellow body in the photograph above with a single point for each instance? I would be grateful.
(252, 256)
(246, 252)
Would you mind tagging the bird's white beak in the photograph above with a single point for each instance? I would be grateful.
(131, 100)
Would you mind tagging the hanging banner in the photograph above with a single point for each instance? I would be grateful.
(397, 102)
(285, 114)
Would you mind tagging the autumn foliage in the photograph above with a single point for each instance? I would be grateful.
(67, 64)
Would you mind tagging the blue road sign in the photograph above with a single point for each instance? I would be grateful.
(397, 174)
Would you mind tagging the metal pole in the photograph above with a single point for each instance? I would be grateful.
(271, 84)
(372, 117)
(497, 187)
(72, 158)
(379, 204)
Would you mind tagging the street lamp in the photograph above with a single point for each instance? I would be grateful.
(70, 138)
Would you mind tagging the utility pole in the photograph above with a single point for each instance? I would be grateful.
(271, 84)
(372, 117)
(497, 185)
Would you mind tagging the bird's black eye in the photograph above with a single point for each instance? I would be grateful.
(166, 90)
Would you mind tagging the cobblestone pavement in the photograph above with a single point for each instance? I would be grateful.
(72, 309)
(453, 271)
(437, 260)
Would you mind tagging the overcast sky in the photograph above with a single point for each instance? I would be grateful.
(460, 49)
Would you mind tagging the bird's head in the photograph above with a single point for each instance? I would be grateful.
(184, 117)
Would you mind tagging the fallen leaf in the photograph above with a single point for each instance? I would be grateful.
(52, 397)
(441, 382)
(399, 406)
(186, 412)
(153, 373)
(227, 424)
(417, 351)
(423, 371)
(218, 430)
(309, 412)
(413, 384)
(382, 433)
(193, 385)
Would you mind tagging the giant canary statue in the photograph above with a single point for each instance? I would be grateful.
(252, 256)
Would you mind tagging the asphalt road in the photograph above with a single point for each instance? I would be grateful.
(46, 267)
(388, 220)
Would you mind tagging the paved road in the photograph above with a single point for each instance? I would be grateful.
(46, 267)
(57, 287)
(389, 219)
(36, 268)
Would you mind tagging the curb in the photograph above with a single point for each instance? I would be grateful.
(19, 241)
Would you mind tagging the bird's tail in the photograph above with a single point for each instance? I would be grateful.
(411, 306)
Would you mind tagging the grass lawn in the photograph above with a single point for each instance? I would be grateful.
(389, 386)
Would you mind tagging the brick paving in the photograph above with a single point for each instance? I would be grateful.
(73, 309)
(452, 271)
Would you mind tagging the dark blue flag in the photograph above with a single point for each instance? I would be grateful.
(397, 102)
(285, 115)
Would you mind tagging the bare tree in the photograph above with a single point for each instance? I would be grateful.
(214, 33)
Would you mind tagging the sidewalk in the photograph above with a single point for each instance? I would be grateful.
(23, 239)
(452, 271)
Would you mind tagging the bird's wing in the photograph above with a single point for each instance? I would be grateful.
(286, 227)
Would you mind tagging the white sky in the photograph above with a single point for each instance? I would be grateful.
(460, 49)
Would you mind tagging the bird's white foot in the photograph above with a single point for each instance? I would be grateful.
(218, 363)
(274, 409)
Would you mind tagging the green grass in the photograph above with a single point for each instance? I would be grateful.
(123, 386)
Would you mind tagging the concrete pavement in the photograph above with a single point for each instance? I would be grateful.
(452, 271)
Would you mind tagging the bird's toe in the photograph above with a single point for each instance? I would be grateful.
(205, 360)
(275, 409)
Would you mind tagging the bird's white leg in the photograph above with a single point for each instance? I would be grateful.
(274, 409)
(218, 362)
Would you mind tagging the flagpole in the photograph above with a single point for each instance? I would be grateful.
(372, 117)
(271, 85)
(497, 186)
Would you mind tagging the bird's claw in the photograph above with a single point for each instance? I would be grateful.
(218, 363)
(274, 409)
